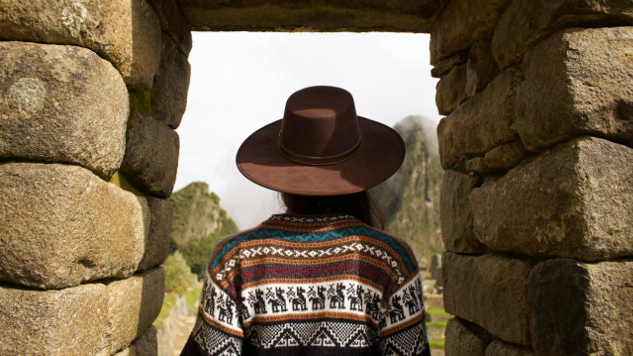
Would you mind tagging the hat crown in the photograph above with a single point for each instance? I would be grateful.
(320, 122)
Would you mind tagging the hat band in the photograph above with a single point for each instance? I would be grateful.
(319, 161)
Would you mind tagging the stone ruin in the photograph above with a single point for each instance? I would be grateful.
(537, 197)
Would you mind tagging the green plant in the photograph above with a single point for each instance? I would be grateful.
(436, 311)
(197, 252)
(168, 302)
(192, 297)
(436, 324)
(436, 344)
(178, 276)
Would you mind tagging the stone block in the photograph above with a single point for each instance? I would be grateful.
(479, 68)
(461, 341)
(61, 103)
(125, 32)
(61, 225)
(463, 23)
(526, 23)
(490, 291)
(147, 344)
(171, 84)
(482, 123)
(574, 200)
(133, 304)
(445, 65)
(56, 322)
(157, 243)
(581, 308)
(449, 91)
(505, 156)
(433, 301)
(457, 218)
(500, 348)
(477, 164)
(317, 16)
(151, 155)
(128, 351)
(577, 81)
(174, 23)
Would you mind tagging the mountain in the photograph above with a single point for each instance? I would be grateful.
(410, 199)
(198, 224)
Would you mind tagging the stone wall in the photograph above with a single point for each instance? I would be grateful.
(91, 94)
(537, 197)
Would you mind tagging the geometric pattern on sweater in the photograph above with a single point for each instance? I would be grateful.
(326, 283)
(212, 341)
(325, 333)
(409, 342)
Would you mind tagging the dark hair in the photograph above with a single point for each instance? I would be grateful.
(362, 206)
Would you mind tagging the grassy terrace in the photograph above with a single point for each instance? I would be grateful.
(436, 344)
(192, 297)
(435, 311)
(168, 302)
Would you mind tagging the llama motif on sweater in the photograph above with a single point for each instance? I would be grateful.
(326, 285)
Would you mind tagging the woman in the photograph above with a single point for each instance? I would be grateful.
(321, 279)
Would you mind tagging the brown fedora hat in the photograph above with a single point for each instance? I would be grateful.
(321, 147)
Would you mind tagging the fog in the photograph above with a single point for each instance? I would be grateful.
(240, 82)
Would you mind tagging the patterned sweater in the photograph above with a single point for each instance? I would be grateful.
(321, 285)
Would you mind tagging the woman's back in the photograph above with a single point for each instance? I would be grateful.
(311, 285)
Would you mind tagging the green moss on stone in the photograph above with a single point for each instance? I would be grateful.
(119, 180)
(141, 101)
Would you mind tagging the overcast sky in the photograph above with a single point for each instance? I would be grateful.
(240, 81)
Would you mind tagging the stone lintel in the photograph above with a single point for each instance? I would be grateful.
(315, 16)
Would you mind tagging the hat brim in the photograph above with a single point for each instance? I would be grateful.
(381, 153)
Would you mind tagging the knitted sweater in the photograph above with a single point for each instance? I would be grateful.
(321, 285)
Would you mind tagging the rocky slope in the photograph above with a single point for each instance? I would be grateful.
(198, 224)
(410, 199)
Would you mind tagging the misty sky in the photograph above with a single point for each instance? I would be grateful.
(240, 81)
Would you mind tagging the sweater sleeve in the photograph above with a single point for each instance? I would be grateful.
(218, 329)
(402, 329)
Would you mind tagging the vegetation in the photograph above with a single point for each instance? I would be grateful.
(436, 324)
(168, 302)
(410, 198)
(192, 297)
(119, 180)
(199, 223)
(435, 311)
(197, 252)
(178, 276)
(436, 344)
